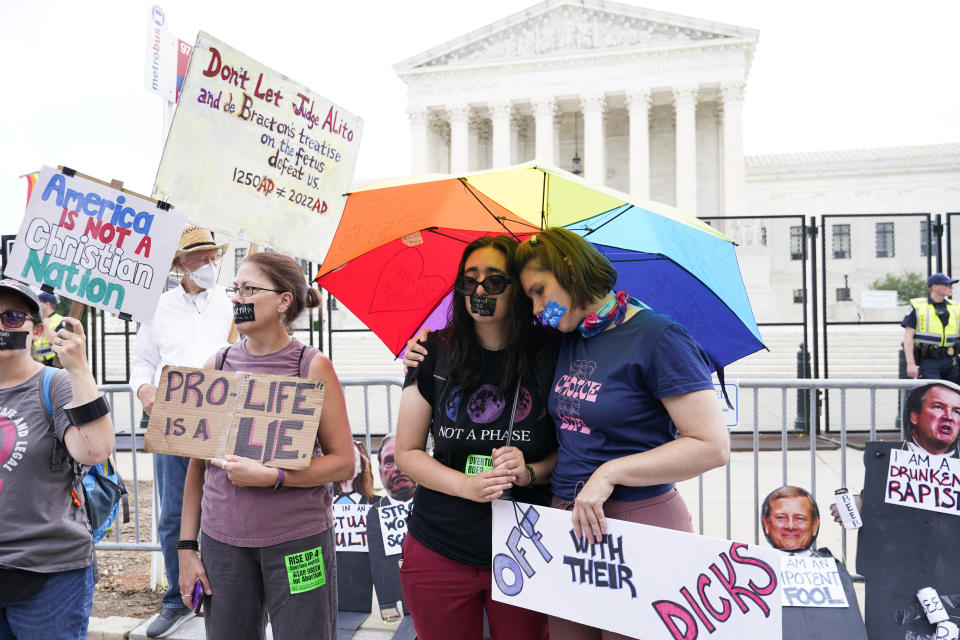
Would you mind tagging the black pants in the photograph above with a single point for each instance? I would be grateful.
(942, 367)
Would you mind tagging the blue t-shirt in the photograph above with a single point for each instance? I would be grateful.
(606, 395)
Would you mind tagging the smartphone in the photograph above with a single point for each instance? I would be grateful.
(196, 600)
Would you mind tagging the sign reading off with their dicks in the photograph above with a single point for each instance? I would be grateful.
(205, 413)
(639, 581)
(97, 245)
(254, 154)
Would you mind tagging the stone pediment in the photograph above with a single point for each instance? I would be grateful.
(562, 27)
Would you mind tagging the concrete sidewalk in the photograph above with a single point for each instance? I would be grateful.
(119, 628)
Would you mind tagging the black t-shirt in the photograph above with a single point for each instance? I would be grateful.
(474, 422)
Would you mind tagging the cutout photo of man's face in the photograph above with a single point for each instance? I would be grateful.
(790, 524)
(936, 425)
(399, 486)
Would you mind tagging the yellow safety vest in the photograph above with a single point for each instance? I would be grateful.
(930, 329)
(41, 347)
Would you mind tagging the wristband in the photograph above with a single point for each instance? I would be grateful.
(533, 476)
(193, 545)
(279, 479)
(88, 412)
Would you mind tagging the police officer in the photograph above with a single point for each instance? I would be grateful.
(42, 352)
(931, 331)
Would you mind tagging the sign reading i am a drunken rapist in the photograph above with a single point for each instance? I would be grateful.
(640, 581)
(206, 413)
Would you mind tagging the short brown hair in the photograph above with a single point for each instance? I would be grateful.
(790, 491)
(581, 270)
(287, 276)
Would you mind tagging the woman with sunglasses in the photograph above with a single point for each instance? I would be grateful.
(256, 518)
(47, 424)
(478, 395)
(649, 382)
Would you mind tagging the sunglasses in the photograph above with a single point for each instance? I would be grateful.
(14, 319)
(493, 284)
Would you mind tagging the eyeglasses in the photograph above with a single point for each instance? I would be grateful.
(246, 290)
(493, 284)
(14, 319)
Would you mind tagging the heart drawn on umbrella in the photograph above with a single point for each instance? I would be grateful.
(402, 285)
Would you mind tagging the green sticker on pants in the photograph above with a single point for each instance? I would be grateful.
(305, 570)
(477, 464)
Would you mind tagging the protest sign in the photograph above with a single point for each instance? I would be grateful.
(808, 581)
(924, 481)
(256, 155)
(811, 622)
(393, 525)
(205, 413)
(350, 522)
(95, 244)
(640, 581)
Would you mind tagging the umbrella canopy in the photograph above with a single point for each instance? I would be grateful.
(393, 258)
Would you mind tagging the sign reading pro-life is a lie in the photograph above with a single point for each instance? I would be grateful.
(95, 244)
(254, 154)
(640, 581)
(206, 413)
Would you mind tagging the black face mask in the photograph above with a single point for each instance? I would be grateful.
(12, 340)
(482, 305)
(243, 312)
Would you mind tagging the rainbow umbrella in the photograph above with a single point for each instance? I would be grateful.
(393, 258)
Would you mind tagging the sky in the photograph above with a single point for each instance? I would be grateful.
(827, 74)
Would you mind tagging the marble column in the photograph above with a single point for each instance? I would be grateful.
(544, 110)
(500, 112)
(638, 109)
(419, 119)
(459, 116)
(685, 105)
(593, 106)
(734, 179)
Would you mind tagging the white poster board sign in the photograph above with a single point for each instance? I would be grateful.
(350, 522)
(94, 244)
(640, 581)
(393, 526)
(730, 415)
(808, 581)
(256, 155)
(923, 481)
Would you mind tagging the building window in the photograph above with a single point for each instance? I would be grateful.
(841, 241)
(885, 247)
(238, 256)
(798, 296)
(843, 294)
(796, 243)
(928, 240)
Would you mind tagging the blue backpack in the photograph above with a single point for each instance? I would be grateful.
(101, 485)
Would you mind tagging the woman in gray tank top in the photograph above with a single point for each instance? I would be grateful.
(266, 530)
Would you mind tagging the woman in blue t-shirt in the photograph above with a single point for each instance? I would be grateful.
(628, 381)
(477, 393)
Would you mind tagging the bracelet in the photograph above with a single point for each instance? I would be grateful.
(88, 412)
(193, 545)
(279, 479)
(533, 476)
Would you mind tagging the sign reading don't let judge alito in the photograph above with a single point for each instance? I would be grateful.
(205, 413)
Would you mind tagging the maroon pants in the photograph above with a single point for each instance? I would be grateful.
(667, 510)
(447, 599)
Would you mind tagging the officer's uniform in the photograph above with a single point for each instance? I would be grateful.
(935, 343)
(41, 348)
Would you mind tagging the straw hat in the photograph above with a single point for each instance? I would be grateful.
(196, 238)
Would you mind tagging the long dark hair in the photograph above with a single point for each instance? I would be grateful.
(525, 334)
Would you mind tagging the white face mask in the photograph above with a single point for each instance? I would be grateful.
(205, 277)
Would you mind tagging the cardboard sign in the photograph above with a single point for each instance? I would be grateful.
(826, 623)
(256, 155)
(393, 526)
(205, 413)
(639, 581)
(924, 481)
(808, 581)
(899, 552)
(94, 244)
(350, 522)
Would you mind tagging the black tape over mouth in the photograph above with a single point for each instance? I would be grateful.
(13, 340)
(243, 312)
(483, 305)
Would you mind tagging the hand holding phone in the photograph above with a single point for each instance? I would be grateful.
(196, 600)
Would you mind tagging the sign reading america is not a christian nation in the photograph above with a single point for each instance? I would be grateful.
(101, 246)
(256, 155)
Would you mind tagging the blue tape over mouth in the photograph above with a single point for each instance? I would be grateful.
(552, 313)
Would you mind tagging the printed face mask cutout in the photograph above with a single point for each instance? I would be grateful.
(552, 313)
(11, 340)
(482, 305)
(243, 312)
